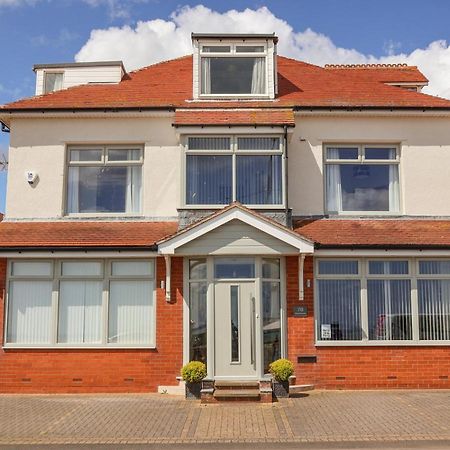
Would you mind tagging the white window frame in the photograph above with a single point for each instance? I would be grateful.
(103, 162)
(363, 275)
(51, 72)
(233, 152)
(106, 277)
(361, 160)
(233, 54)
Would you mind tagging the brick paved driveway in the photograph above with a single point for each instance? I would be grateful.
(320, 416)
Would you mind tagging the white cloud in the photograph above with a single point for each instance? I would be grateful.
(17, 2)
(117, 9)
(156, 40)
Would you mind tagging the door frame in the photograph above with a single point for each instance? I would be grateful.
(210, 334)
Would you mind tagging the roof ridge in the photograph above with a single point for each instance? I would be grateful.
(159, 63)
(370, 66)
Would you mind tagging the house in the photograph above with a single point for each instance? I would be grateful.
(232, 206)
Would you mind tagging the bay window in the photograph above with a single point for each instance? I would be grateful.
(220, 170)
(81, 303)
(379, 301)
(104, 180)
(362, 178)
(234, 69)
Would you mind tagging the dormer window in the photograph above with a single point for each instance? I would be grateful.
(53, 81)
(234, 66)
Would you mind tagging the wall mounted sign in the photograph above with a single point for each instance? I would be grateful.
(300, 311)
(325, 331)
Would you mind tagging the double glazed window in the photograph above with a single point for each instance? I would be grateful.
(383, 300)
(362, 178)
(81, 303)
(233, 69)
(220, 170)
(53, 81)
(104, 180)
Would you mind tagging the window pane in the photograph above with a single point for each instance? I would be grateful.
(124, 155)
(389, 303)
(131, 312)
(209, 143)
(29, 312)
(434, 267)
(197, 321)
(132, 268)
(233, 75)
(434, 309)
(388, 267)
(271, 322)
(258, 143)
(338, 267)
(342, 152)
(86, 155)
(259, 180)
(234, 268)
(208, 180)
(234, 316)
(379, 153)
(250, 49)
(216, 49)
(80, 312)
(362, 187)
(53, 82)
(34, 269)
(339, 310)
(105, 189)
(197, 269)
(271, 268)
(85, 268)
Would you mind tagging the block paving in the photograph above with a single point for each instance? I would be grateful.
(318, 416)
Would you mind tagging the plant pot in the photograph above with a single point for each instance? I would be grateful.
(192, 390)
(280, 389)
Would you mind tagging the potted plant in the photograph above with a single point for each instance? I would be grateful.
(193, 373)
(281, 370)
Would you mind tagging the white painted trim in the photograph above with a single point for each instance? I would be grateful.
(225, 129)
(169, 246)
(26, 254)
(167, 260)
(377, 253)
(353, 111)
(301, 265)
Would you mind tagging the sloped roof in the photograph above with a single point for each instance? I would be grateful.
(385, 73)
(71, 235)
(372, 233)
(169, 85)
(228, 117)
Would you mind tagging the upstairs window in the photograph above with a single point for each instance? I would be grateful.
(220, 170)
(233, 70)
(53, 81)
(104, 180)
(362, 178)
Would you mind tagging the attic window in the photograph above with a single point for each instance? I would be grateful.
(53, 81)
(233, 70)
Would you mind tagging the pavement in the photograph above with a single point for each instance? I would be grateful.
(316, 420)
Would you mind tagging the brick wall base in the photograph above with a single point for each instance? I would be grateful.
(34, 371)
(357, 367)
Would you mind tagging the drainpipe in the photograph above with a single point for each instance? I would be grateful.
(286, 184)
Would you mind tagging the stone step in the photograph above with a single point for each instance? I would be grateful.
(236, 393)
(298, 388)
(221, 385)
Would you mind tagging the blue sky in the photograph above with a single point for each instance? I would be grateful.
(39, 31)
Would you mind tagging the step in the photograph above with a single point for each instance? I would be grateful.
(298, 388)
(237, 393)
(221, 385)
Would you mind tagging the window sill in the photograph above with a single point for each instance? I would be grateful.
(78, 347)
(382, 343)
(102, 215)
(364, 213)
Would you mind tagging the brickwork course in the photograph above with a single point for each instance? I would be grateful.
(319, 416)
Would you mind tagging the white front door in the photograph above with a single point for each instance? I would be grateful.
(235, 329)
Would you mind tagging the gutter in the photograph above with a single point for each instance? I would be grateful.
(152, 248)
(386, 247)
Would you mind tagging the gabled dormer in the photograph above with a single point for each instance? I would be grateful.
(234, 66)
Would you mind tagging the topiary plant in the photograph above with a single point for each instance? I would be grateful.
(193, 372)
(281, 369)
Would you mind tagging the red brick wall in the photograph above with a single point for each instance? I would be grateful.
(102, 370)
(357, 367)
